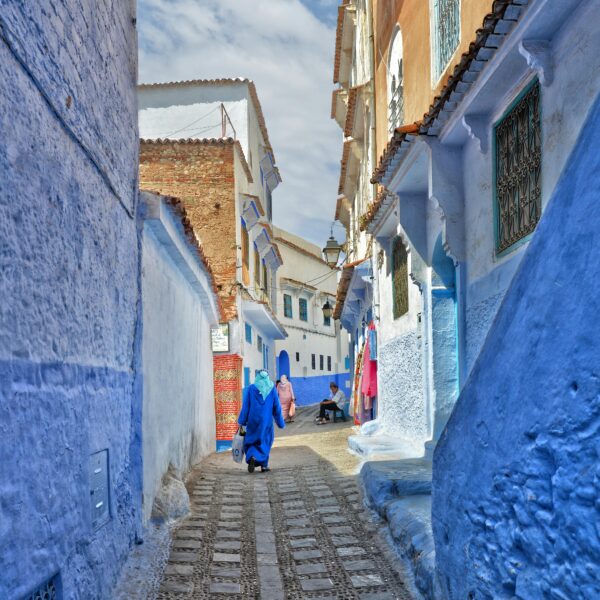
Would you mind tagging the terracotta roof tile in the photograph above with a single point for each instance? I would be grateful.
(395, 142)
(352, 96)
(338, 41)
(344, 165)
(424, 127)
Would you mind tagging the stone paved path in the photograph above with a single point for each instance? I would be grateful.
(299, 531)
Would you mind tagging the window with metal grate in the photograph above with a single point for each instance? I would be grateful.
(445, 25)
(303, 309)
(399, 278)
(518, 169)
(287, 306)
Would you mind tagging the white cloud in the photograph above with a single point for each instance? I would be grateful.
(288, 52)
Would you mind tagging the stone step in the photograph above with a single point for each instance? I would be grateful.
(400, 492)
(389, 479)
(409, 523)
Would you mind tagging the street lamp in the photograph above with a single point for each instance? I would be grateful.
(332, 251)
(327, 310)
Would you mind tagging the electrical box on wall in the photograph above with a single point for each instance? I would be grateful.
(99, 489)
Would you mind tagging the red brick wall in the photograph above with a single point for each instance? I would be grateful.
(202, 177)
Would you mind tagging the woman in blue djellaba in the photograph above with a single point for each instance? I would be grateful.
(260, 407)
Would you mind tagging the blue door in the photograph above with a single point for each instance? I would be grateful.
(283, 364)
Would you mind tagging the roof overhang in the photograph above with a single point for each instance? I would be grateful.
(343, 211)
(293, 284)
(270, 171)
(339, 106)
(359, 296)
(344, 42)
(262, 317)
(353, 125)
(252, 210)
(272, 257)
(350, 167)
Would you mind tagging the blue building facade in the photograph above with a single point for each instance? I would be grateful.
(69, 331)
(516, 486)
(471, 194)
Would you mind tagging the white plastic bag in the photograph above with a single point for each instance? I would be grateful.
(237, 447)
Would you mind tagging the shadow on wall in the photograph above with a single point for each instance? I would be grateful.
(516, 477)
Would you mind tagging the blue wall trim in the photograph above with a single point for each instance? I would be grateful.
(223, 445)
(54, 416)
(310, 390)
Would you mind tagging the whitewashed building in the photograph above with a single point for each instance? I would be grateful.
(353, 109)
(206, 143)
(315, 352)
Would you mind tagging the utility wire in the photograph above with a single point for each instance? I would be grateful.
(192, 123)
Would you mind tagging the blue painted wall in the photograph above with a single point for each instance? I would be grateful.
(516, 476)
(310, 390)
(69, 291)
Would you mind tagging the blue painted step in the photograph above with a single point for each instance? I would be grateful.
(389, 479)
(400, 492)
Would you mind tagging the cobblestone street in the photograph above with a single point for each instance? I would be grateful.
(299, 531)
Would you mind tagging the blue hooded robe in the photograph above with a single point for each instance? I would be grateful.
(257, 417)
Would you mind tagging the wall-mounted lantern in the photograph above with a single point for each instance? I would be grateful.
(327, 310)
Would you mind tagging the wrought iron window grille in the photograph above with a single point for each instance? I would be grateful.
(396, 105)
(446, 33)
(399, 278)
(517, 162)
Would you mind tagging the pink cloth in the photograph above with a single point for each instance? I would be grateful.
(369, 376)
(286, 395)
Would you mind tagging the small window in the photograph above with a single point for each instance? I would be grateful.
(321, 367)
(347, 363)
(399, 278)
(313, 360)
(287, 306)
(303, 309)
(259, 343)
(248, 333)
(326, 321)
(329, 363)
(297, 356)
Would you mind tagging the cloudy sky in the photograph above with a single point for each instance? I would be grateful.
(286, 47)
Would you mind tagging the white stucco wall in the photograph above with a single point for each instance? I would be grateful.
(178, 411)
(312, 336)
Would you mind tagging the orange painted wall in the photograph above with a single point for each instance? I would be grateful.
(413, 17)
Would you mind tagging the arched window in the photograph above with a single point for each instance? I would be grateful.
(395, 83)
(399, 278)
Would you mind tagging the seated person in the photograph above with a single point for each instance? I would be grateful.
(337, 400)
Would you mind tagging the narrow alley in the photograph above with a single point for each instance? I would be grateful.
(353, 244)
(299, 531)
